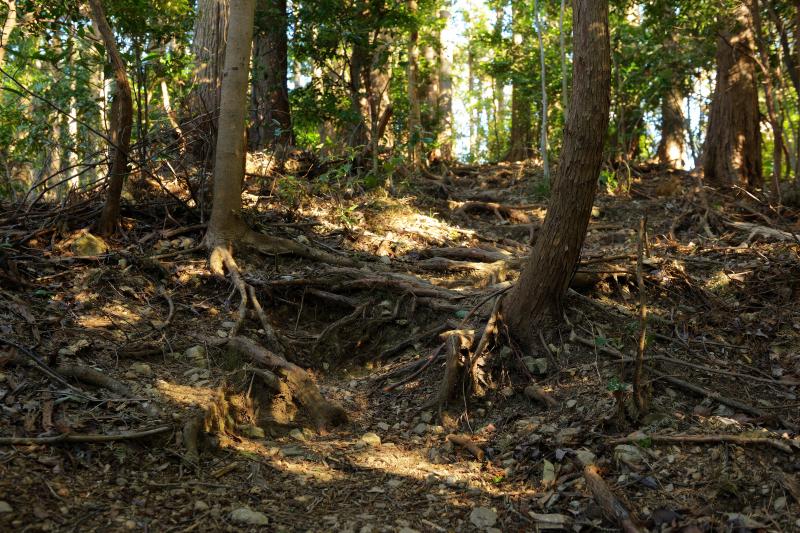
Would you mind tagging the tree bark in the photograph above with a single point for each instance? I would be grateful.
(445, 90)
(672, 147)
(8, 26)
(544, 280)
(208, 48)
(122, 113)
(521, 130)
(414, 118)
(732, 152)
(271, 114)
(225, 226)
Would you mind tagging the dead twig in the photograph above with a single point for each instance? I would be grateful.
(466, 443)
(638, 393)
(613, 509)
(71, 437)
(699, 439)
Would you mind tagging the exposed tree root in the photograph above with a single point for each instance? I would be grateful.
(322, 413)
(414, 339)
(535, 392)
(191, 436)
(502, 212)
(457, 341)
(613, 509)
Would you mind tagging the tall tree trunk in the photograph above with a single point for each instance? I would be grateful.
(732, 152)
(543, 139)
(8, 26)
(544, 280)
(770, 96)
(225, 226)
(672, 147)
(445, 89)
(208, 48)
(563, 50)
(521, 130)
(414, 118)
(271, 114)
(122, 113)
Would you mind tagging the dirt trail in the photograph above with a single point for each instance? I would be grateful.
(725, 318)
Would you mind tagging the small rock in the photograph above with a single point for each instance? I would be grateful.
(197, 355)
(88, 245)
(627, 453)
(222, 334)
(779, 504)
(3, 377)
(535, 365)
(571, 403)
(228, 324)
(297, 434)
(371, 439)
(130, 525)
(483, 517)
(292, 451)
(247, 516)
(426, 417)
(200, 505)
(394, 483)
(569, 435)
(252, 431)
(142, 369)
(383, 426)
(5, 507)
(420, 428)
(585, 456)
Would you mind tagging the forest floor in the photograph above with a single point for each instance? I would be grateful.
(722, 288)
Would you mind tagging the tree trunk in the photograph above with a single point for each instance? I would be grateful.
(225, 226)
(563, 51)
(732, 152)
(445, 90)
(208, 48)
(521, 129)
(414, 119)
(122, 112)
(271, 114)
(543, 138)
(8, 27)
(544, 280)
(776, 122)
(672, 147)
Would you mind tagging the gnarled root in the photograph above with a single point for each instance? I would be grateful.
(322, 413)
(220, 260)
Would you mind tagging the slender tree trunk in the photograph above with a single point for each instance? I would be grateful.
(473, 108)
(208, 48)
(521, 130)
(445, 90)
(732, 152)
(225, 226)
(271, 114)
(672, 147)
(8, 26)
(563, 50)
(770, 96)
(544, 280)
(122, 111)
(414, 118)
(543, 140)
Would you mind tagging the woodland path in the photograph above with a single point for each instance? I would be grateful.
(723, 285)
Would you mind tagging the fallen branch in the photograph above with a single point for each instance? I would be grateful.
(691, 387)
(466, 443)
(414, 339)
(613, 509)
(535, 392)
(71, 437)
(98, 379)
(700, 439)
